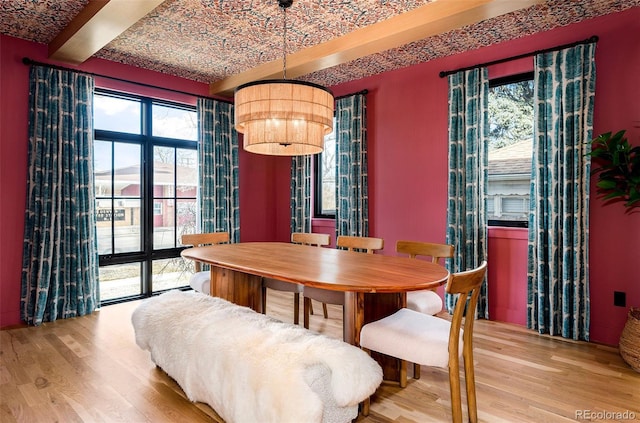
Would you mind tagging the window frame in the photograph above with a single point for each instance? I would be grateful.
(317, 184)
(495, 82)
(147, 142)
(317, 197)
(511, 79)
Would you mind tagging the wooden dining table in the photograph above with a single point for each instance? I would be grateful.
(375, 285)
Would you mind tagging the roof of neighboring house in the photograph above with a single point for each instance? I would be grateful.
(163, 174)
(511, 160)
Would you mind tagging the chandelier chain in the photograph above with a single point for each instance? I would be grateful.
(284, 43)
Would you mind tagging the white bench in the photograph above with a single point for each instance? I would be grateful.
(252, 368)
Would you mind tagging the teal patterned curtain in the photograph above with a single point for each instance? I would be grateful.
(60, 254)
(218, 151)
(352, 197)
(301, 193)
(466, 211)
(558, 279)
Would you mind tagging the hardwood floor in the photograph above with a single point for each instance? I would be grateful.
(89, 369)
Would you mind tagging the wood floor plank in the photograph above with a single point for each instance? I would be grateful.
(90, 369)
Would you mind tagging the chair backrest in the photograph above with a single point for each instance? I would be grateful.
(352, 243)
(306, 238)
(207, 238)
(428, 249)
(467, 284)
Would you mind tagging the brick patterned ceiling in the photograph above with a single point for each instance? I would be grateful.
(208, 40)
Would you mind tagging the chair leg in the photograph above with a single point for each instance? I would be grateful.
(324, 310)
(296, 308)
(403, 374)
(366, 405)
(454, 386)
(306, 311)
(470, 379)
(416, 371)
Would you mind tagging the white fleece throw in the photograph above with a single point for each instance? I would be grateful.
(249, 367)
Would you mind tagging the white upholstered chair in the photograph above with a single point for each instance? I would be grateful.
(201, 280)
(434, 341)
(426, 301)
(304, 238)
(351, 243)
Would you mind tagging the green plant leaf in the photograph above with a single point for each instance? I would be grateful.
(617, 165)
(606, 184)
(614, 194)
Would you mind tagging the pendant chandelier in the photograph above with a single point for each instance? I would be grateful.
(283, 117)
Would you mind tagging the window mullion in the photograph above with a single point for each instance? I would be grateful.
(113, 198)
(147, 195)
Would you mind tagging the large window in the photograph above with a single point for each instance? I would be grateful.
(325, 178)
(146, 180)
(510, 148)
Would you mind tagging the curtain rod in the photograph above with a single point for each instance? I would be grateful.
(592, 39)
(28, 61)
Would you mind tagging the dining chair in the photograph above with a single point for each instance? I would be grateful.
(326, 296)
(425, 301)
(304, 238)
(434, 341)
(201, 280)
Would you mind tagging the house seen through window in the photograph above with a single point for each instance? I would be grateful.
(146, 183)
(510, 149)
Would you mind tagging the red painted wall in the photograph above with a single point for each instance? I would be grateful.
(264, 198)
(407, 133)
(507, 275)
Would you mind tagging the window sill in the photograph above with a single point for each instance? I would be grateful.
(323, 221)
(508, 233)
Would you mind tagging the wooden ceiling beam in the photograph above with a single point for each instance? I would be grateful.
(95, 26)
(431, 19)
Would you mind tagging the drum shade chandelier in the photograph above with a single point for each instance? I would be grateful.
(283, 117)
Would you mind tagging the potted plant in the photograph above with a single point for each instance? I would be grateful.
(619, 171)
(619, 179)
